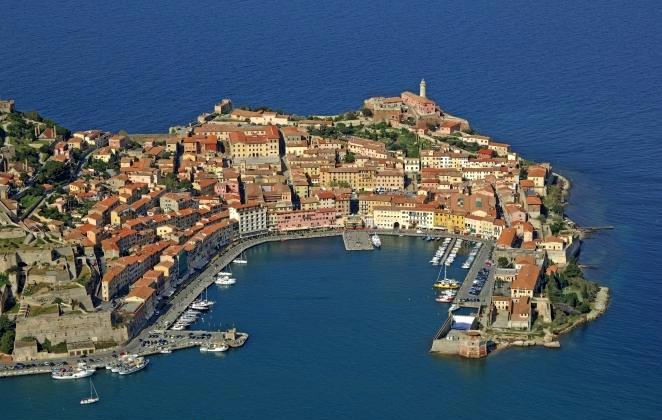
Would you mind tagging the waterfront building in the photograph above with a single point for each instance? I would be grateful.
(252, 218)
(304, 219)
(448, 220)
(527, 281)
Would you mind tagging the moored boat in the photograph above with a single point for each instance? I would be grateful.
(225, 281)
(214, 348)
(82, 371)
(132, 365)
(376, 242)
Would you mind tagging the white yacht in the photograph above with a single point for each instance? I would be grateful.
(240, 259)
(376, 242)
(94, 396)
(225, 281)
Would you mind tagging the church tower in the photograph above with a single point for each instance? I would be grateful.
(422, 89)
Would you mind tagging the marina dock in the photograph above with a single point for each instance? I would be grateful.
(357, 240)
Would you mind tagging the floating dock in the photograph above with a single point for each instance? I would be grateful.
(357, 240)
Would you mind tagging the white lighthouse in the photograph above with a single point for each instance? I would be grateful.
(422, 89)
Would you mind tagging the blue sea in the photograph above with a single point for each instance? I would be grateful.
(340, 335)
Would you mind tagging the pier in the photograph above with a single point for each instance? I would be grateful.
(357, 240)
(449, 248)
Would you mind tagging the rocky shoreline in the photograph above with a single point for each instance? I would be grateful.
(551, 340)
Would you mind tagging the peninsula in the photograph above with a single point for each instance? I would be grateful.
(107, 238)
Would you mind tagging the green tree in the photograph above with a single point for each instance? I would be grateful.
(6, 324)
(503, 262)
(572, 270)
(553, 201)
(7, 342)
(571, 299)
(53, 172)
(349, 157)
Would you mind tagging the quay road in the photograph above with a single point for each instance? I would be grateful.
(486, 292)
(430, 232)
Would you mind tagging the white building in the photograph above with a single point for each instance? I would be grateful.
(252, 218)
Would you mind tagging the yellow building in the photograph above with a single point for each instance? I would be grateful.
(356, 178)
(445, 219)
(243, 146)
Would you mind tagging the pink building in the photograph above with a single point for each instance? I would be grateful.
(305, 219)
(420, 104)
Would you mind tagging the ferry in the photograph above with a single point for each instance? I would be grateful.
(225, 281)
(133, 365)
(214, 348)
(82, 371)
(376, 242)
(94, 396)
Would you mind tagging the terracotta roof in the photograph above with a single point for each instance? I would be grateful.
(527, 277)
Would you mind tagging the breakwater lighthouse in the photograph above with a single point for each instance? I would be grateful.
(421, 92)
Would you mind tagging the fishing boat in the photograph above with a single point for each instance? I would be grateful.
(214, 348)
(132, 365)
(94, 395)
(240, 260)
(82, 371)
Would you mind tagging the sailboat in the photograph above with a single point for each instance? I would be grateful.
(94, 396)
(241, 259)
(446, 283)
